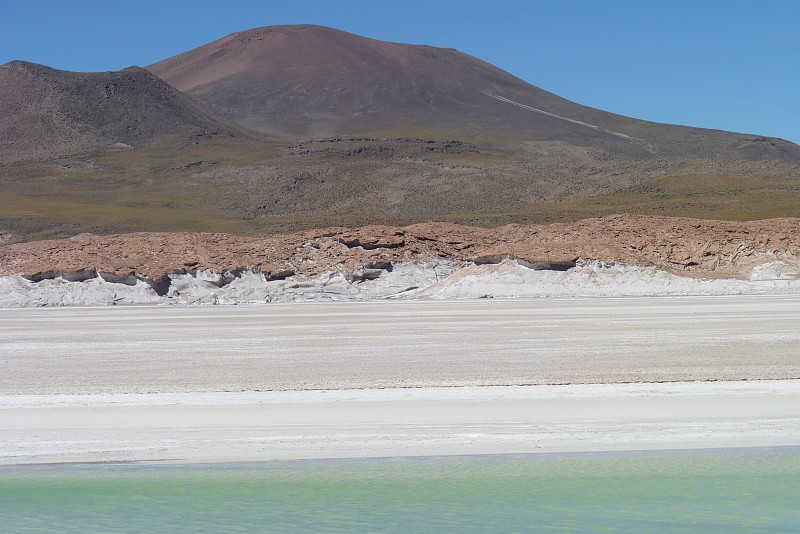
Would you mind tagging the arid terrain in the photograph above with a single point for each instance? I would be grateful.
(376, 379)
(290, 128)
(304, 164)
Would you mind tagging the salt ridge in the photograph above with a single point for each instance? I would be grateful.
(439, 280)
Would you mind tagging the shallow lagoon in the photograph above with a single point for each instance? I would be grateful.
(747, 490)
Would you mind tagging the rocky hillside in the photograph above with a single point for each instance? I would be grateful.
(47, 113)
(337, 129)
(312, 81)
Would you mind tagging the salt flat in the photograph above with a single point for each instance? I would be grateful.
(397, 344)
(365, 379)
(209, 427)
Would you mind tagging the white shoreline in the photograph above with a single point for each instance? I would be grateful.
(283, 425)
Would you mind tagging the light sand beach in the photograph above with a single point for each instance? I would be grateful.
(198, 384)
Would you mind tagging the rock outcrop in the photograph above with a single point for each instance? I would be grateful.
(690, 247)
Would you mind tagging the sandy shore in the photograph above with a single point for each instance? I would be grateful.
(209, 427)
(377, 379)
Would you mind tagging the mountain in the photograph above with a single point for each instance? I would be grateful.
(295, 127)
(47, 113)
(311, 81)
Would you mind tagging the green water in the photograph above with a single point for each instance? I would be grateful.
(745, 490)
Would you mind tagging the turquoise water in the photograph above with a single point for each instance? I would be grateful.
(745, 490)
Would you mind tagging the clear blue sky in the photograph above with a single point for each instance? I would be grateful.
(732, 65)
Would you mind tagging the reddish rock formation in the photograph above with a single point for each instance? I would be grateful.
(687, 246)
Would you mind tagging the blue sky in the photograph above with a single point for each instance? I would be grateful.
(731, 65)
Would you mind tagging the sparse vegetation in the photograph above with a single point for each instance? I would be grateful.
(121, 152)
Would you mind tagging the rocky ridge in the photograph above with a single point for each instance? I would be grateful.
(689, 247)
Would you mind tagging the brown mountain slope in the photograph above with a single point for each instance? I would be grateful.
(417, 134)
(47, 113)
(312, 81)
